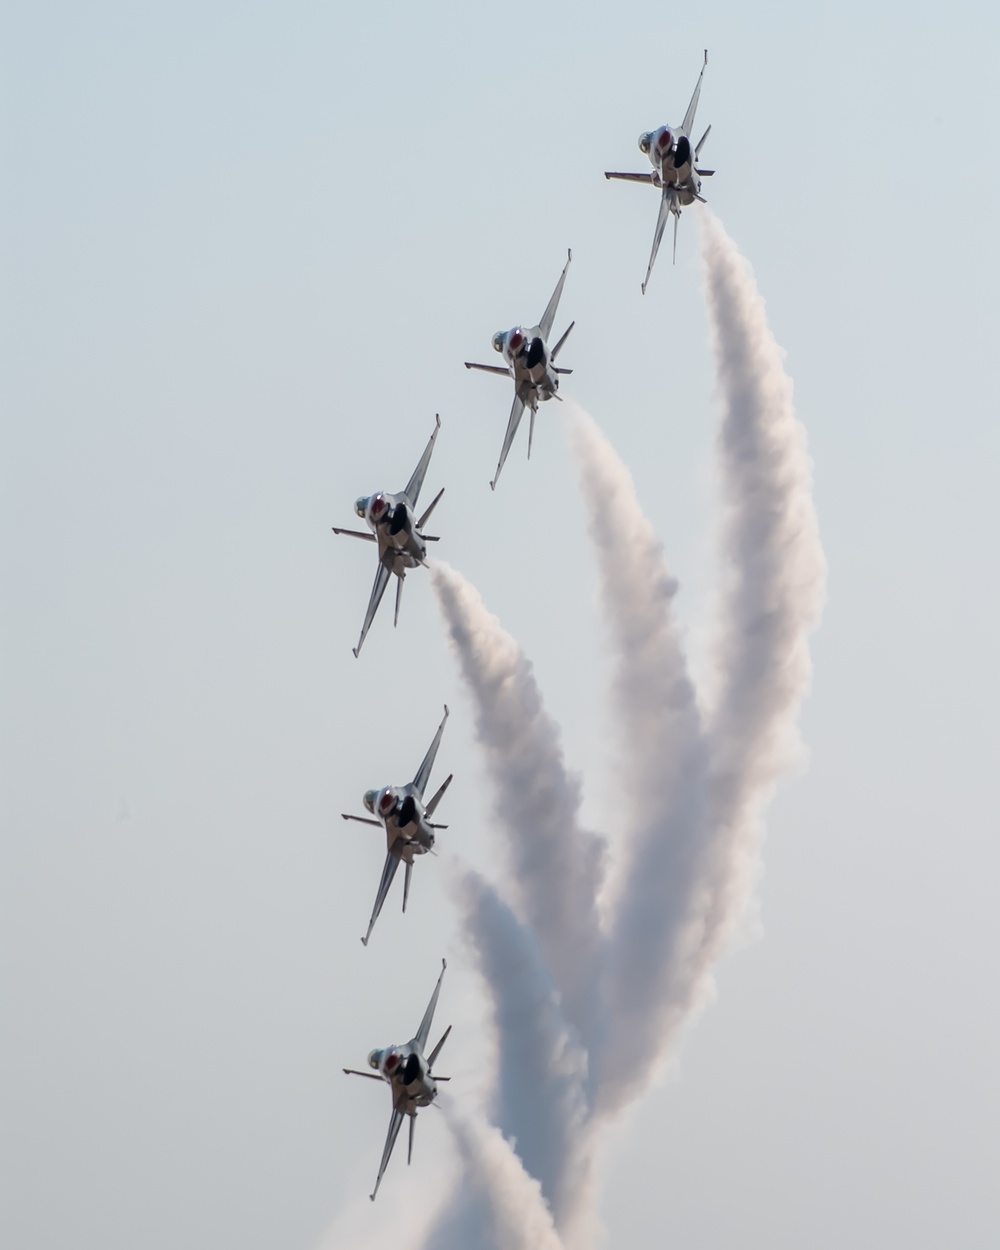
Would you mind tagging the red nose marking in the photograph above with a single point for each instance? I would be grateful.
(385, 802)
(391, 1062)
(516, 340)
(664, 139)
(378, 503)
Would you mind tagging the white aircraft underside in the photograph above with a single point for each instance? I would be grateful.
(675, 170)
(406, 821)
(410, 1077)
(391, 522)
(531, 364)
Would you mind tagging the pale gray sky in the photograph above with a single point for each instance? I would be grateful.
(246, 250)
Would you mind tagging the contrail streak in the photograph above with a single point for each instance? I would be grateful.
(662, 773)
(494, 1180)
(540, 1102)
(696, 777)
(776, 570)
(557, 866)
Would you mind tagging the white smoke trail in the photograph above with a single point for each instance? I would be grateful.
(556, 866)
(662, 774)
(776, 573)
(542, 1074)
(495, 1181)
(697, 789)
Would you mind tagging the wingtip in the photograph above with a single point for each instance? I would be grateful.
(446, 709)
(569, 255)
(354, 651)
(437, 421)
(364, 941)
(493, 485)
(444, 964)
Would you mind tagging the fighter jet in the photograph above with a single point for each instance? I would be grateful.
(409, 1076)
(401, 542)
(532, 366)
(409, 831)
(674, 170)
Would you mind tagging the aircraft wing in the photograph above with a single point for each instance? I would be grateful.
(516, 413)
(425, 1024)
(424, 771)
(420, 472)
(395, 1124)
(646, 178)
(666, 204)
(688, 121)
(549, 315)
(388, 872)
(378, 590)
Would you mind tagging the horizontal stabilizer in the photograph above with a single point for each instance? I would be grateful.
(488, 368)
(354, 1072)
(362, 820)
(705, 173)
(368, 538)
(646, 178)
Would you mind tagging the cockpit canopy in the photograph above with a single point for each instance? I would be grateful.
(370, 799)
(498, 340)
(361, 505)
(644, 142)
(373, 1059)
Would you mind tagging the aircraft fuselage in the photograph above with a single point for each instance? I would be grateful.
(526, 355)
(405, 1069)
(670, 153)
(390, 518)
(401, 813)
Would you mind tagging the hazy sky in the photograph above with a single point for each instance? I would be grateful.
(246, 249)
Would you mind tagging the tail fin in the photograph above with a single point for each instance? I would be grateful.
(432, 1057)
(406, 884)
(399, 595)
(559, 346)
(433, 504)
(431, 807)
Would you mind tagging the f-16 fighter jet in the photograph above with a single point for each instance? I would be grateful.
(674, 170)
(409, 1076)
(401, 543)
(532, 366)
(409, 831)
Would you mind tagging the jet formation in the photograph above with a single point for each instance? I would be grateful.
(398, 532)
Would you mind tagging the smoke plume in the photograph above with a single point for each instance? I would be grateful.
(584, 1016)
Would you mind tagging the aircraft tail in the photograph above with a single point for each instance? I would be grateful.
(559, 346)
(399, 595)
(430, 508)
(431, 807)
(406, 883)
(432, 1057)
